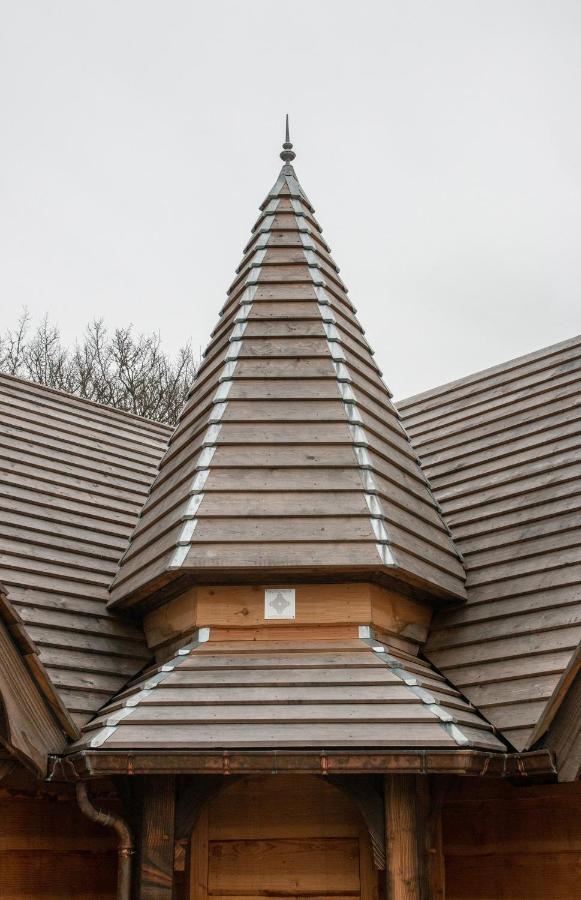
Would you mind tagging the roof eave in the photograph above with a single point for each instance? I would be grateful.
(87, 764)
(173, 582)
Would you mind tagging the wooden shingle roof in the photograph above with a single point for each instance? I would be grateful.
(502, 450)
(273, 694)
(289, 456)
(73, 477)
(291, 460)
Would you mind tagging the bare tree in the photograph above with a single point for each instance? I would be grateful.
(121, 369)
(12, 346)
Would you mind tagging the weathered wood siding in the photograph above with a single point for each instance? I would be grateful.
(50, 851)
(508, 843)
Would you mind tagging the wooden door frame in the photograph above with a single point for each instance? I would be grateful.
(171, 808)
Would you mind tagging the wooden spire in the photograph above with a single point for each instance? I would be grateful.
(289, 459)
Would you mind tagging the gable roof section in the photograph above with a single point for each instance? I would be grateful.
(561, 732)
(28, 729)
(502, 450)
(289, 456)
(73, 476)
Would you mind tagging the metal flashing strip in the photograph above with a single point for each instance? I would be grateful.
(356, 425)
(303, 228)
(254, 260)
(415, 686)
(314, 261)
(243, 277)
(133, 701)
(286, 177)
(195, 493)
(274, 192)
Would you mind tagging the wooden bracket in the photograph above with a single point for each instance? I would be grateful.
(193, 793)
(363, 792)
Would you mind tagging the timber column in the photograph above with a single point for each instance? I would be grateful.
(406, 825)
(155, 876)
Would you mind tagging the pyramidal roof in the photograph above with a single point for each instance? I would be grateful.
(289, 459)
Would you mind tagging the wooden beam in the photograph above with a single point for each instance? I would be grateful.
(564, 735)
(156, 852)
(407, 871)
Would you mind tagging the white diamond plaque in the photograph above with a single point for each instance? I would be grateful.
(279, 603)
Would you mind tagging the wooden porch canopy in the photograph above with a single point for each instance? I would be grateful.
(281, 694)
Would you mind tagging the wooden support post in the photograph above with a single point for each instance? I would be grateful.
(408, 873)
(156, 852)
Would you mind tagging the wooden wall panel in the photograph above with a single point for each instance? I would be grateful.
(283, 836)
(49, 850)
(328, 607)
(304, 866)
(508, 843)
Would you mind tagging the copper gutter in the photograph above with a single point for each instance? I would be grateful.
(125, 847)
(476, 763)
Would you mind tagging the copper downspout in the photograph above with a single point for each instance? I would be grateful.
(124, 837)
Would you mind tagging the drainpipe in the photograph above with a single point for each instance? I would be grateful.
(125, 846)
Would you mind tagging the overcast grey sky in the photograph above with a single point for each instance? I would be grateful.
(440, 143)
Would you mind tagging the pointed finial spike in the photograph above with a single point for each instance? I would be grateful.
(288, 154)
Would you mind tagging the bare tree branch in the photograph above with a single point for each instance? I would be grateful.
(121, 369)
(12, 346)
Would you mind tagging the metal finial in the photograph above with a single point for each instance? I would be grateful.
(287, 154)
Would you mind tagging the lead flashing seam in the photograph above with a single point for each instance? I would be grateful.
(261, 244)
(305, 228)
(415, 686)
(195, 494)
(316, 269)
(355, 422)
(132, 702)
(287, 176)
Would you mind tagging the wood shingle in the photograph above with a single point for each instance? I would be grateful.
(73, 477)
(289, 455)
(273, 694)
(502, 450)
